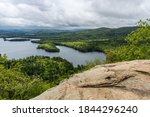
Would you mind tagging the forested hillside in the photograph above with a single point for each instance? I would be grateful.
(28, 77)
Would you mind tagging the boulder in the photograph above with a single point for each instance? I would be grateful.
(117, 81)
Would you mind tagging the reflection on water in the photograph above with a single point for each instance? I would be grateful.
(15, 50)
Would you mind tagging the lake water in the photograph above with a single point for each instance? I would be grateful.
(16, 50)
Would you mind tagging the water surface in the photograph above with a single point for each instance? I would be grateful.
(22, 49)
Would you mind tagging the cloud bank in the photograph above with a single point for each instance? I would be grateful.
(73, 13)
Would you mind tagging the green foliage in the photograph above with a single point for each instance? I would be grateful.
(3, 58)
(78, 45)
(43, 67)
(137, 47)
(141, 35)
(29, 77)
(16, 85)
(85, 46)
(48, 47)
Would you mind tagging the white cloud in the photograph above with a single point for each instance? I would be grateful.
(73, 13)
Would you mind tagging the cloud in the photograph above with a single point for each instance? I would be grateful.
(73, 13)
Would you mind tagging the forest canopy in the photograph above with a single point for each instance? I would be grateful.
(28, 77)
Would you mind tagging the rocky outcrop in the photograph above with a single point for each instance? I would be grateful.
(124, 80)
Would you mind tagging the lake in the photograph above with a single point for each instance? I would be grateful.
(22, 49)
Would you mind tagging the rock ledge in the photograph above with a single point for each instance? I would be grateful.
(117, 81)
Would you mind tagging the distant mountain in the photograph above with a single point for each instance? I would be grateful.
(100, 33)
(45, 33)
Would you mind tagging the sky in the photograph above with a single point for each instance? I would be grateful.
(72, 13)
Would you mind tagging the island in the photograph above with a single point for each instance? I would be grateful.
(48, 47)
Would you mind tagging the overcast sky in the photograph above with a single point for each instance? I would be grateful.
(73, 13)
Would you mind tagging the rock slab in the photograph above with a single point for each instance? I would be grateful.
(117, 81)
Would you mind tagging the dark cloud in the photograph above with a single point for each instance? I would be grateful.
(73, 13)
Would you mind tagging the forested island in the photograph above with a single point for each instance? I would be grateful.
(48, 47)
(28, 77)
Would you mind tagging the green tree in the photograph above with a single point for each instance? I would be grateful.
(138, 45)
(3, 58)
(141, 35)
